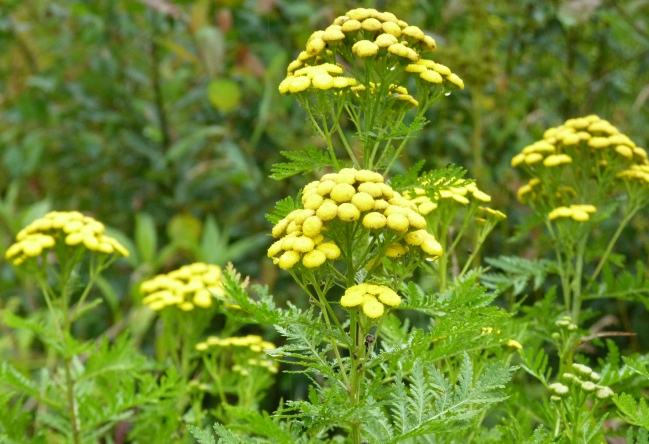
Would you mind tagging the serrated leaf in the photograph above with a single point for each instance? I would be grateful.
(301, 162)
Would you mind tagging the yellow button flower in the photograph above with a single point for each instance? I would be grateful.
(365, 48)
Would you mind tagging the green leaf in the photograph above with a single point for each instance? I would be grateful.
(224, 94)
(301, 162)
(282, 209)
(202, 436)
(146, 237)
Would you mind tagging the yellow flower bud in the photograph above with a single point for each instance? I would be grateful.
(363, 201)
(288, 259)
(315, 46)
(579, 215)
(312, 226)
(518, 159)
(416, 238)
(416, 220)
(426, 207)
(333, 35)
(392, 29)
(413, 32)
(303, 244)
(431, 76)
(31, 248)
(314, 259)
(342, 192)
(371, 24)
(556, 159)
(560, 212)
(373, 308)
(299, 84)
(323, 81)
(313, 202)
(275, 248)
(365, 48)
(457, 81)
(415, 67)
(442, 69)
(395, 251)
(327, 211)
(73, 239)
(481, 196)
(374, 221)
(387, 39)
(624, 151)
(351, 26)
(432, 247)
(330, 250)
(389, 297)
(430, 43)
(202, 298)
(599, 142)
(533, 158)
(348, 212)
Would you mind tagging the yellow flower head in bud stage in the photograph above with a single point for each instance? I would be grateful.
(247, 351)
(585, 136)
(188, 287)
(461, 195)
(579, 213)
(371, 298)
(349, 196)
(69, 228)
(367, 33)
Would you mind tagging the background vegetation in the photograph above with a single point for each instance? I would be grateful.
(162, 119)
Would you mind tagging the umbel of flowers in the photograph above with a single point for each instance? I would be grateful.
(60, 230)
(363, 35)
(188, 287)
(337, 209)
(374, 68)
(246, 352)
(576, 166)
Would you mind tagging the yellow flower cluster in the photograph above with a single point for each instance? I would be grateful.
(455, 194)
(348, 196)
(579, 213)
(323, 77)
(254, 343)
(639, 172)
(69, 227)
(186, 288)
(561, 144)
(364, 33)
(371, 298)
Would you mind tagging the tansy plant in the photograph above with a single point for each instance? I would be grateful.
(354, 239)
(582, 173)
(373, 70)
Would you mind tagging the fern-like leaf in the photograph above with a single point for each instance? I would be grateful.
(301, 162)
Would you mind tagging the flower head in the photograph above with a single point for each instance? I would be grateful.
(186, 288)
(248, 351)
(371, 298)
(367, 33)
(69, 228)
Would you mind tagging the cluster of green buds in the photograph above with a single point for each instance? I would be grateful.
(188, 287)
(585, 380)
(566, 323)
(246, 352)
(371, 298)
(576, 165)
(63, 230)
(340, 204)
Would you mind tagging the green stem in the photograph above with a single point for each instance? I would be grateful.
(614, 239)
(579, 270)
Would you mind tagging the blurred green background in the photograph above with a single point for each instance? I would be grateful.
(162, 119)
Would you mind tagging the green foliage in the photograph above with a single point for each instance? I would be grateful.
(302, 162)
(516, 273)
